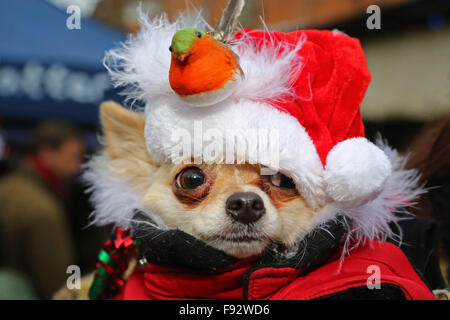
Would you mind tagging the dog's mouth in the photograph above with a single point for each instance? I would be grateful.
(238, 234)
(239, 245)
(236, 238)
(239, 239)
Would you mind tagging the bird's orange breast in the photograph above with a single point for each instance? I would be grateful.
(208, 67)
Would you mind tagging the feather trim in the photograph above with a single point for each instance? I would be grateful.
(114, 199)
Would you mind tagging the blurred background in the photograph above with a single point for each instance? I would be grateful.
(52, 81)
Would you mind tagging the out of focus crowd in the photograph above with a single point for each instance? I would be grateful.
(44, 214)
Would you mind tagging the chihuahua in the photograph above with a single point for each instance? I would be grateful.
(231, 207)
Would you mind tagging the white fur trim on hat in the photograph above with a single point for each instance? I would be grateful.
(356, 171)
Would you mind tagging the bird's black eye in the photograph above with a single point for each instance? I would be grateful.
(170, 48)
(190, 178)
(281, 181)
(199, 34)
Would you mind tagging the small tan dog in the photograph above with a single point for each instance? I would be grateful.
(231, 207)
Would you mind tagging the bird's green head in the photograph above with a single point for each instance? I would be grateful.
(183, 40)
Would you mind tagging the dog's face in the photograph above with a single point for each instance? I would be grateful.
(231, 207)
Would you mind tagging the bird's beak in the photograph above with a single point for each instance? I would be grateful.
(180, 56)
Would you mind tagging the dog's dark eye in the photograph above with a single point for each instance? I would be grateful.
(281, 181)
(190, 178)
(199, 34)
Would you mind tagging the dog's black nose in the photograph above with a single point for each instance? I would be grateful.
(245, 207)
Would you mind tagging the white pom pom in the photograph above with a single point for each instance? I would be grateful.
(355, 172)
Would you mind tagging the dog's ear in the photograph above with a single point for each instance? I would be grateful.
(123, 132)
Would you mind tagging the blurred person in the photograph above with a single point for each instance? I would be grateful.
(6, 164)
(430, 154)
(34, 230)
(3, 164)
(2, 146)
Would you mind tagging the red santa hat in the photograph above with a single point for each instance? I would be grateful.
(307, 84)
(328, 91)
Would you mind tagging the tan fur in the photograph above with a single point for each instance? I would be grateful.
(124, 144)
(285, 220)
(442, 294)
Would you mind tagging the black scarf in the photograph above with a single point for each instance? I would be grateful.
(177, 249)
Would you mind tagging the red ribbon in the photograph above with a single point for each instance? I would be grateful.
(122, 239)
(120, 251)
